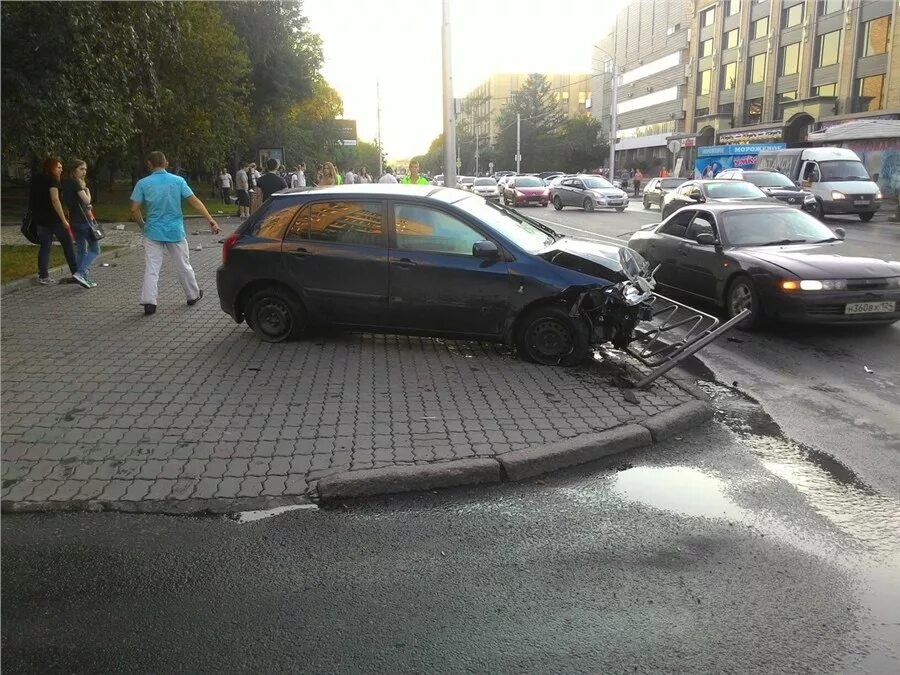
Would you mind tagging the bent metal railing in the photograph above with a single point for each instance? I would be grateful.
(674, 332)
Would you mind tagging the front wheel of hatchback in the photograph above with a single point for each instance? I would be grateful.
(742, 295)
(548, 335)
(557, 203)
(275, 315)
(646, 204)
(588, 205)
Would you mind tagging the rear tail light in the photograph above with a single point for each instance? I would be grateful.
(229, 243)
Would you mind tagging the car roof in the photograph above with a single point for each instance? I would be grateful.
(718, 208)
(444, 194)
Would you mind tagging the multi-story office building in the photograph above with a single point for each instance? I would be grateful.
(774, 70)
(648, 47)
(482, 105)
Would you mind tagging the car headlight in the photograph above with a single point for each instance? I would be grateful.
(878, 195)
(815, 285)
(809, 197)
(838, 195)
(893, 282)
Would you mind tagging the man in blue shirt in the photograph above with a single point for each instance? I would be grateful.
(162, 193)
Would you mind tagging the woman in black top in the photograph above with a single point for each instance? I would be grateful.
(49, 218)
(77, 199)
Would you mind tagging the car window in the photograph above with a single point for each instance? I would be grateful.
(421, 228)
(485, 181)
(594, 183)
(677, 225)
(506, 223)
(768, 179)
(702, 224)
(685, 189)
(671, 183)
(529, 181)
(271, 220)
(769, 226)
(733, 190)
(727, 175)
(578, 185)
(342, 222)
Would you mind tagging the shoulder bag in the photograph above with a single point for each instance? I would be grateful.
(96, 231)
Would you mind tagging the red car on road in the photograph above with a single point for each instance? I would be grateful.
(523, 190)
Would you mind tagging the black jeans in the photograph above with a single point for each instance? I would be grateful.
(46, 234)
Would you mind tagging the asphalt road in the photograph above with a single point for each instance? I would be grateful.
(694, 556)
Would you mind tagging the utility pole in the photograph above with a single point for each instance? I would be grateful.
(476, 152)
(612, 122)
(380, 152)
(518, 142)
(449, 105)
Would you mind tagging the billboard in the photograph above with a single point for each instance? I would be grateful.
(714, 158)
(346, 130)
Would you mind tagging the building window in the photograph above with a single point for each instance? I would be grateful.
(726, 109)
(582, 96)
(753, 111)
(731, 39)
(790, 59)
(792, 16)
(780, 100)
(657, 97)
(648, 69)
(732, 7)
(565, 97)
(759, 28)
(830, 6)
(825, 90)
(729, 76)
(703, 82)
(869, 93)
(701, 112)
(828, 49)
(708, 17)
(706, 48)
(757, 70)
(875, 36)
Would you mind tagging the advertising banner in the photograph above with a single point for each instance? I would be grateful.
(714, 158)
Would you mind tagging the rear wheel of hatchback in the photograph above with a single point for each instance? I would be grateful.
(275, 314)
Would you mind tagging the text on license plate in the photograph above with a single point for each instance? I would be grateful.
(869, 307)
(861, 202)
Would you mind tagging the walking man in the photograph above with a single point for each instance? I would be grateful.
(270, 182)
(298, 178)
(638, 178)
(242, 185)
(163, 228)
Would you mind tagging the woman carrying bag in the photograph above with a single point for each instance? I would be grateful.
(49, 218)
(77, 199)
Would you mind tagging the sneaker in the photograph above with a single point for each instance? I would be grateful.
(149, 309)
(91, 281)
(46, 281)
(193, 302)
(79, 277)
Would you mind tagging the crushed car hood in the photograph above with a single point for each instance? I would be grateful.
(817, 262)
(588, 257)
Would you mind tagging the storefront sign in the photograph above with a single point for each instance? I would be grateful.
(714, 158)
(822, 126)
(773, 134)
(715, 150)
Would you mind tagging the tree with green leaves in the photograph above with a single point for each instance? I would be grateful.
(541, 124)
(581, 144)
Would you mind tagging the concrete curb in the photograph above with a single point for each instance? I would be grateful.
(680, 418)
(520, 464)
(28, 282)
(172, 507)
(369, 482)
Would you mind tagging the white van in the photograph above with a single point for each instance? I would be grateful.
(835, 176)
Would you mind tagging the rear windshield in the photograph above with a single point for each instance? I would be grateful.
(485, 181)
(670, 183)
(596, 183)
(271, 219)
(768, 179)
(529, 181)
(733, 190)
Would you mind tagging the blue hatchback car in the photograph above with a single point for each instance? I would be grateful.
(413, 259)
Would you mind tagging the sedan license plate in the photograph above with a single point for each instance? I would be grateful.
(869, 307)
(861, 202)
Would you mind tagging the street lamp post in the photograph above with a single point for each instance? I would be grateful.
(612, 122)
(449, 104)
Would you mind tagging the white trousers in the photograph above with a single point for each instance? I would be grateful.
(153, 259)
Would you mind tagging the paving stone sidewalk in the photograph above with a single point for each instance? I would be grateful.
(104, 407)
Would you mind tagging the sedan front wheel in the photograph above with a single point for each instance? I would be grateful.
(588, 204)
(742, 295)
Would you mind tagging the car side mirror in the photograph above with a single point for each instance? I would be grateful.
(840, 232)
(486, 250)
(705, 239)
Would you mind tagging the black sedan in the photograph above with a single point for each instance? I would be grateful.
(657, 188)
(695, 192)
(777, 261)
(776, 185)
(410, 259)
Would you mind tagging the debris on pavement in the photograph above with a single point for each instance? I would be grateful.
(867, 369)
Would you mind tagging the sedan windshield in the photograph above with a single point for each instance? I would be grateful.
(733, 190)
(770, 227)
(768, 179)
(843, 170)
(529, 181)
(523, 234)
(593, 183)
(669, 183)
(485, 181)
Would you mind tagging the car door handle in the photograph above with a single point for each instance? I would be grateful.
(300, 251)
(404, 262)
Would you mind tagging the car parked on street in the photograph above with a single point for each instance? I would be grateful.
(465, 182)
(524, 190)
(429, 261)
(589, 193)
(774, 184)
(711, 191)
(657, 188)
(438, 180)
(779, 262)
(486, 187)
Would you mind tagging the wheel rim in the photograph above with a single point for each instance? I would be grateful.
(588, 205)
(557, 203)
(741, 299)
(549, 340)
(273, 318)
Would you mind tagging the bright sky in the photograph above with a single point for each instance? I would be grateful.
(398, 43)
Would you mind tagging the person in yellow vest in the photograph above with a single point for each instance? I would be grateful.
(413, 177)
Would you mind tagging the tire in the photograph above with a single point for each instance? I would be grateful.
(646, 204)
(866, 217)
(547, 335)
(819, 210)
(557, 203)
(275, 315)
(742, 294)
(587, 205)
(620, 209)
